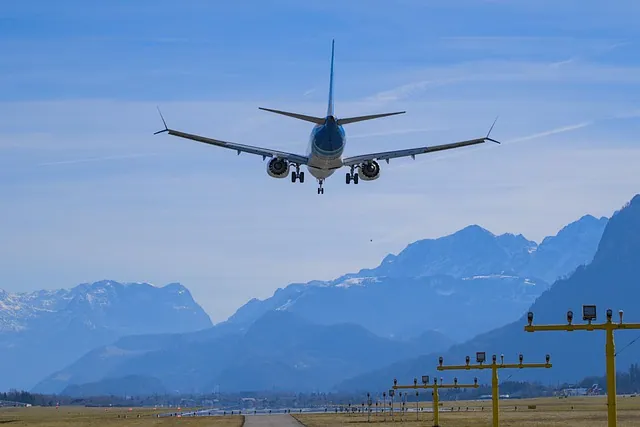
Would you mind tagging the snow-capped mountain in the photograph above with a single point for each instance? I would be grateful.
(308, 336)
(472, 278)
(43, 331)
(610, 281)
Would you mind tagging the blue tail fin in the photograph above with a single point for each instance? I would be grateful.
(330, 106)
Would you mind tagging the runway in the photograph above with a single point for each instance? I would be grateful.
(280, 420)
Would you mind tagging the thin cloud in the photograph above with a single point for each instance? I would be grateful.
(409, 89)
(395, 132)
(308, 92)
(597, 51)
(501, 38)
(98, 159)
(456, 153)
(565, 62)
(552, 132)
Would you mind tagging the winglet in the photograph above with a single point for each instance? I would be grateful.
(489, 133)
(166, 129)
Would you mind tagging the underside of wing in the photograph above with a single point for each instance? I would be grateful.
(411, 152)
(241, 148)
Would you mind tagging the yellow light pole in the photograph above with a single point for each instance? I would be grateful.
(494, 366)
(435, 387)
(589, 314)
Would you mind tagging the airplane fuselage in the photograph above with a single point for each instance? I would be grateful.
(326, 145)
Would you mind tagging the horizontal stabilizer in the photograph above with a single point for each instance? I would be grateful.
(348, 120)
(316, 120)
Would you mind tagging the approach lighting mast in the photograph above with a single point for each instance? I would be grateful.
(435, 387)
(494, 366)
(589, 315)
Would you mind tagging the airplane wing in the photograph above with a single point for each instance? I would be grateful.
(412, 152)
(240, 148)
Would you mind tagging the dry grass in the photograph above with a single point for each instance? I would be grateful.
(549, 412)
(80, 416)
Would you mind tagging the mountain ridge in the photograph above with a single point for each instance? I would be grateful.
(442, 270)
(42, 331)
(608, 281)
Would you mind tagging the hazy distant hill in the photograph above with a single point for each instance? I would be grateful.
(278, 351)
(473, 272)
(132, 385)
(43, 331)
(610, 281)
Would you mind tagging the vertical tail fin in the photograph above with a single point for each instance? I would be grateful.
(330, 106)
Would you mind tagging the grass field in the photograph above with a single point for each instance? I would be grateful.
(81, 416)
(552, 412)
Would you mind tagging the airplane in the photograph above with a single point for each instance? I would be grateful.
(326, 146)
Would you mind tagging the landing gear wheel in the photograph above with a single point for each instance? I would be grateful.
(294, 176)
(355, 178)
(301, 177)
(348, 178)
(322, 191)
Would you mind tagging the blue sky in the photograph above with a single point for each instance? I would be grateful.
(89, 193)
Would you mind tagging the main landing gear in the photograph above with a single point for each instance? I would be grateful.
(297, 175)
(320, 189)
(352, 176)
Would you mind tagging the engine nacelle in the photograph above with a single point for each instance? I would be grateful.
(278, 168)
(369, 171)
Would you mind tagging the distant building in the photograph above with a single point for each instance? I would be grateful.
(489, 397)
(579, 391)
(594, 390)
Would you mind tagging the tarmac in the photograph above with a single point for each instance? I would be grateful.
(279, 420)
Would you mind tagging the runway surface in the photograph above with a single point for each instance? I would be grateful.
(280, 420)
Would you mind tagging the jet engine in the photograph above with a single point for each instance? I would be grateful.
(278, 168)
(369, 171)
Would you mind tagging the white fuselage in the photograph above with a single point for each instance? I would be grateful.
(326, 145)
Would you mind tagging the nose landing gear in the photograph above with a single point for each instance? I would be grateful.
(320, 189)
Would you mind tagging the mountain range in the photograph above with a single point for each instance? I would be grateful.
(280, 351)
(312, 336)
(609, 281)
(43, 331)
(471, 272)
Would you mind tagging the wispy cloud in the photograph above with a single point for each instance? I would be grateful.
(409, 89)
(574, 68)
(308, 92)
(552, 132)
(595, 51)
(395, 132)
(463, 152)
(98, 159)
(561, 63)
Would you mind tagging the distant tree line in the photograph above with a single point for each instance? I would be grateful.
(627, 382)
